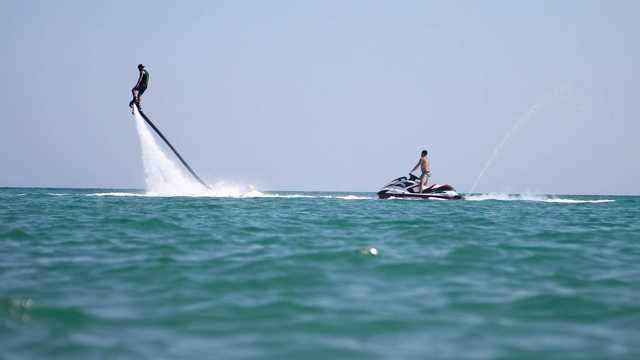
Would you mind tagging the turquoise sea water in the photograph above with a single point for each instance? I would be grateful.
(120, 274)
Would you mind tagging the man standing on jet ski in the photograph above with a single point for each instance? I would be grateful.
(424, 165)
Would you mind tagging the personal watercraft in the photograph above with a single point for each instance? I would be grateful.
(404, 187)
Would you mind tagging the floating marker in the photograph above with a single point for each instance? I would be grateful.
(369, 251)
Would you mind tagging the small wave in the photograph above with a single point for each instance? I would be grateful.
(220, 189)
(289, 196)
(116, 194)
(347, 197)
(506, 197)
(16, 234)
(252, 194)
(575, 201)
(354, 197)
(531, 197)
(258, 194)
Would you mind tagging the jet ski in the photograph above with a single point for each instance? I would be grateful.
(404, 187)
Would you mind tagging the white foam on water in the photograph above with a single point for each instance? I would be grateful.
(574, 201)
(354, 197)
(505, 197)
(122, 194)
(532, 197)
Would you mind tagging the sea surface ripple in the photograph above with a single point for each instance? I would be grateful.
(114, 274)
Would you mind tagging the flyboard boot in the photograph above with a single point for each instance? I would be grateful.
(137, 103)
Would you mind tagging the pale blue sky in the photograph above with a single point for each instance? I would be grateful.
(326, 95)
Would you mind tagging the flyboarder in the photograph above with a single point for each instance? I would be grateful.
(141, 86)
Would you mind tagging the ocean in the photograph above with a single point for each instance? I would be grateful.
(129, 274)
(178, 271)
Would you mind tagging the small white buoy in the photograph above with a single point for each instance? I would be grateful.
(369, 251)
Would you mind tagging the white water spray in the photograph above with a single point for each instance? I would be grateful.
(162, 176)
(544, 100)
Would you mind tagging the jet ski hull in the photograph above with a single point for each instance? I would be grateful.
(409, 188)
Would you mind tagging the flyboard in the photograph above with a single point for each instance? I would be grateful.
(182, 160)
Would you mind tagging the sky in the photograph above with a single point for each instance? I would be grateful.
(536, 96)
